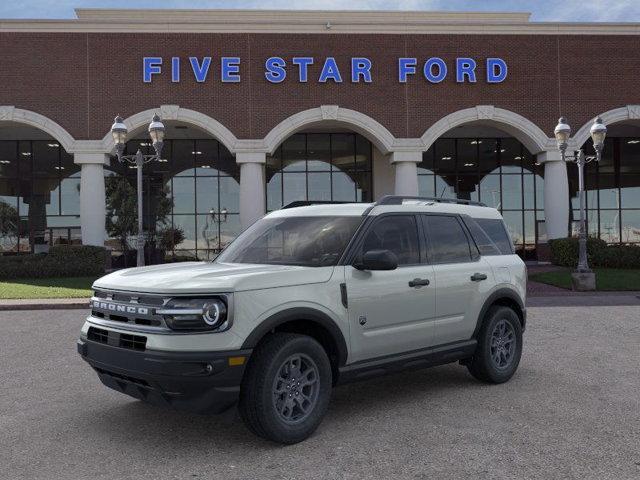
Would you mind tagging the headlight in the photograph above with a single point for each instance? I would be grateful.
(196, 314)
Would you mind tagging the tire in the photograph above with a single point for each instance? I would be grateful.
(495, 359)
(273, 403)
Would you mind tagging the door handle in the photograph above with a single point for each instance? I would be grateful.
(419, 282)
(477, 277)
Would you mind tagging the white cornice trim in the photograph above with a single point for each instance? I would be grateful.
(307, 21)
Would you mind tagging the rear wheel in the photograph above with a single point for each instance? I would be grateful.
(287, 387)
(499, 346)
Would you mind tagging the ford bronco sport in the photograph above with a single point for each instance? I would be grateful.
(309, 297)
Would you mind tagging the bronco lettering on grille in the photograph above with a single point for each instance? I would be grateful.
(114, 307)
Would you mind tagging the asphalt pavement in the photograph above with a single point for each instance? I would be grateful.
(571, 411)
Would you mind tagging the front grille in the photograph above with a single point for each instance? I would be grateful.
(98, 335)
(122, 340)
(134, 342)
(129, 308)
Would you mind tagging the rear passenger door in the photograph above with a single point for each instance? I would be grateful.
(462, 277)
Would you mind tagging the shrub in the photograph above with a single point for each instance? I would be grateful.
(564, 252)
(61, 261)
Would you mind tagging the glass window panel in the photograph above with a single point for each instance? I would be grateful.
(539, 192)
(8, 159)
(513, 221)
(467, 151)
(187, 223)
(606, 163)
(274, 163)
(229, 194)
(229, 230)
(426, 186)
(343, 149)
(206, 157)
(67, 167)
(447, 240)
(46, 159)
(294, 153)
(445, 189)
(610, 226)
(631, 226)
(427, 164)
(25, 158)
(274, 192)
(630, 191)
(294, 187)
(207, 194)
(70, 196)
(468, 187)
(44, 196)
(344, 187)
(529, 228)
(629, 155)
(183, 157)
(227, 164)
(591, 219)
(397, 233)
(608, 191)
(363, 153)
(363, 186)
(57, 221)
(445, 156)
(9, 218)
(490, 191)
(488, 156)
(183, 192)
(510, 155)
(318, 152)
(319, 186)
(511, 192)
(209, 232)
(529, 191)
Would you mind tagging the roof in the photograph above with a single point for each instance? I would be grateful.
(311, 21)
(358, 209)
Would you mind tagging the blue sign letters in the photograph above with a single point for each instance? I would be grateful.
(434, 69)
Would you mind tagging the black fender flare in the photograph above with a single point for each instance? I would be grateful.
(296, 314)
(495, 297)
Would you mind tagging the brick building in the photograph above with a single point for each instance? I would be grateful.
(263, 108)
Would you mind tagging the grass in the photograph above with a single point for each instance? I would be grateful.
(73, 287)
(607, 279)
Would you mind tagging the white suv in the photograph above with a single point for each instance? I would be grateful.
(309, 297)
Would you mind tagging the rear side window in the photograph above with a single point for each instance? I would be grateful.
(484, 243)
(447, 240)
(497, 232)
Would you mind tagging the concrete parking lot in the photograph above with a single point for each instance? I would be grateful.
(571, 411)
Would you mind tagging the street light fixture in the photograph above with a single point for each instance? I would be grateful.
(584, 278)
(156, 132)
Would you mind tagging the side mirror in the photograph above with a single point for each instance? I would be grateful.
(377, 260)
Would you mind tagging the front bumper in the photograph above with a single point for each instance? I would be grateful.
(200, 382)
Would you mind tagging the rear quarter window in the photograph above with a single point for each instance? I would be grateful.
(494, 229)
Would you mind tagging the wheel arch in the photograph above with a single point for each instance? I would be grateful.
(308, 321)
(505, 297)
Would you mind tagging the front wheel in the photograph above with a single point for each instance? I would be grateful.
(499, 346)
(286, 389)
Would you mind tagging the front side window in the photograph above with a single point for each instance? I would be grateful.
(302, 241)
(447, 240)
(398, 234)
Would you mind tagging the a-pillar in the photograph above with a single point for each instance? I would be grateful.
(406, 165)
(556, 194)
(92, 197)
(252, 186)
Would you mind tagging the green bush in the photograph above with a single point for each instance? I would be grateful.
(61, 261)
(564, 252)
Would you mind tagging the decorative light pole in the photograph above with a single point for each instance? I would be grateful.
(583, 278)
(156, 132)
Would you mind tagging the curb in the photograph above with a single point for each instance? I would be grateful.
(43, 305)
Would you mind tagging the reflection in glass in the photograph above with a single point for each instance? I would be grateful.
(630, 226)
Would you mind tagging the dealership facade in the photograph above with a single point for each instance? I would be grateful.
(264, 108)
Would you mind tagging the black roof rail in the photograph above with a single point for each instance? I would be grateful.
(398, 199)
(308, 203)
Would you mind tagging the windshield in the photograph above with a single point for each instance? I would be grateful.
(303, 241)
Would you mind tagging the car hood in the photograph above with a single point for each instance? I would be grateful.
(206, 277)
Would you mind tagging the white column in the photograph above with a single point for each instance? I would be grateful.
(252, 186)
(556, 194)
(92, 198)
(406, 165)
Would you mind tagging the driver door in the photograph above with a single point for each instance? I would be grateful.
(387, 315)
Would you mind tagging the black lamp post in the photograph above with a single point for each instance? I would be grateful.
(156, 132)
